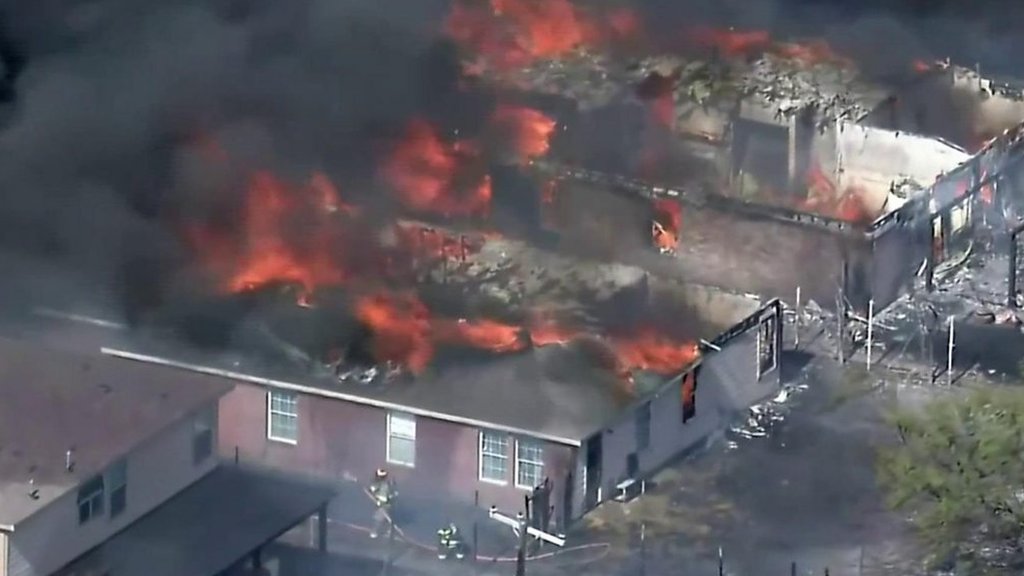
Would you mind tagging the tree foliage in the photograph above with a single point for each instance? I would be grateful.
(958, 466)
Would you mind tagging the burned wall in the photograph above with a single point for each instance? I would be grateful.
(720, 244)
(727, 381)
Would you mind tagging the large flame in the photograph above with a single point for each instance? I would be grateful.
(284, 235)
(527, 132)
(515, 33)
(431, 175)
(400, 327)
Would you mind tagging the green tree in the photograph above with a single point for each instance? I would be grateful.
(958, 467)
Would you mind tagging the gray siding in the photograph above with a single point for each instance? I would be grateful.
(156, 471)
(727, 383)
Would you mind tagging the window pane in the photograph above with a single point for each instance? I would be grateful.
(402, 425)
(530, 474)
(493, 443)
(117, 475)
(402, 451)
(118, 501)
(494, 468)
(283, 427)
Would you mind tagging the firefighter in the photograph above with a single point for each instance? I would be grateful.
(383, 493)
(449, 541)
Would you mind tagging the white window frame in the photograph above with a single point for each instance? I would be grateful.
(271, 412)
(520, 460)
(481, 454)
(392, 433)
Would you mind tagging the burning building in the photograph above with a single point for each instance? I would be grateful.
(787, 165)
(612, 373)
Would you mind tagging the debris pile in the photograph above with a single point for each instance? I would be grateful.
(762, 418)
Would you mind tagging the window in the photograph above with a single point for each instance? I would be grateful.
(283, 416)
(117, 477)
(643, 426)
(766, 356)
(401, 448)
(90, 500)
(689, 394)
(202, 437)
(529, 464)
(493, 457)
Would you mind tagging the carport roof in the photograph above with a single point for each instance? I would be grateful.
(211, 525)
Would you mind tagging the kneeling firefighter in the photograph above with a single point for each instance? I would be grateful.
(449, 543)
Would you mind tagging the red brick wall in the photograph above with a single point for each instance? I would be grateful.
(338, 438)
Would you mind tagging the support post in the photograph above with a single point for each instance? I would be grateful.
(871, 329)
(643, 549)
(840, 328)
(476, 527)
(796, 321)
(321, 529)
(721, 563)
(949, 353)
(524, 523)
(1011, 280)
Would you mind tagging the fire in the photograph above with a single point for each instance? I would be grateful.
(651, 351)
(482, 334)
(527, 131)
(732, 43)
(545, 331)
(735, 43)
(400, 327)
(429, 243)
(515, 33)
(825, 198)
(668, 219)
(265, 249)
(430, 175)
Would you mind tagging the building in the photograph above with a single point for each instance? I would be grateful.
(110, 467)
(782, 160)
(488, 432)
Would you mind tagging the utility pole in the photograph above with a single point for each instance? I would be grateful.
(522, 529)
(524, 525)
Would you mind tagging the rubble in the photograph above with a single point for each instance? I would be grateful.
(762, 418)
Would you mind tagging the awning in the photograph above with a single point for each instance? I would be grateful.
(212, 524)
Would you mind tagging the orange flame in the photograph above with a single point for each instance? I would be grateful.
(400, 327)
(527, 131)
(430, 175)
(650, 351)
(668, 219)
(515, 33)
(482, 334)
(735, 43)
(267, 249)
(825, 198)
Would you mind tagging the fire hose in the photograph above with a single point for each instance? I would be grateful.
(603, 547)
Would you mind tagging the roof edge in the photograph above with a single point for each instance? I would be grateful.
(313, 391)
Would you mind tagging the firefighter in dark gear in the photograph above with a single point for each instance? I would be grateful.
(449, 543)
(383, 493)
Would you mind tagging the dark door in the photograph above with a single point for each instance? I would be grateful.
(593, 473)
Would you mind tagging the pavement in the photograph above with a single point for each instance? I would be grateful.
(413, 549)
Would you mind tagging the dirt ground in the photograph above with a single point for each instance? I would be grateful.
(806, 493)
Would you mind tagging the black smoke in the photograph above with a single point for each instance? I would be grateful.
(101, 100)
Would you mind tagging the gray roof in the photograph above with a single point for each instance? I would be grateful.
(98, 406)
(211, 524)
